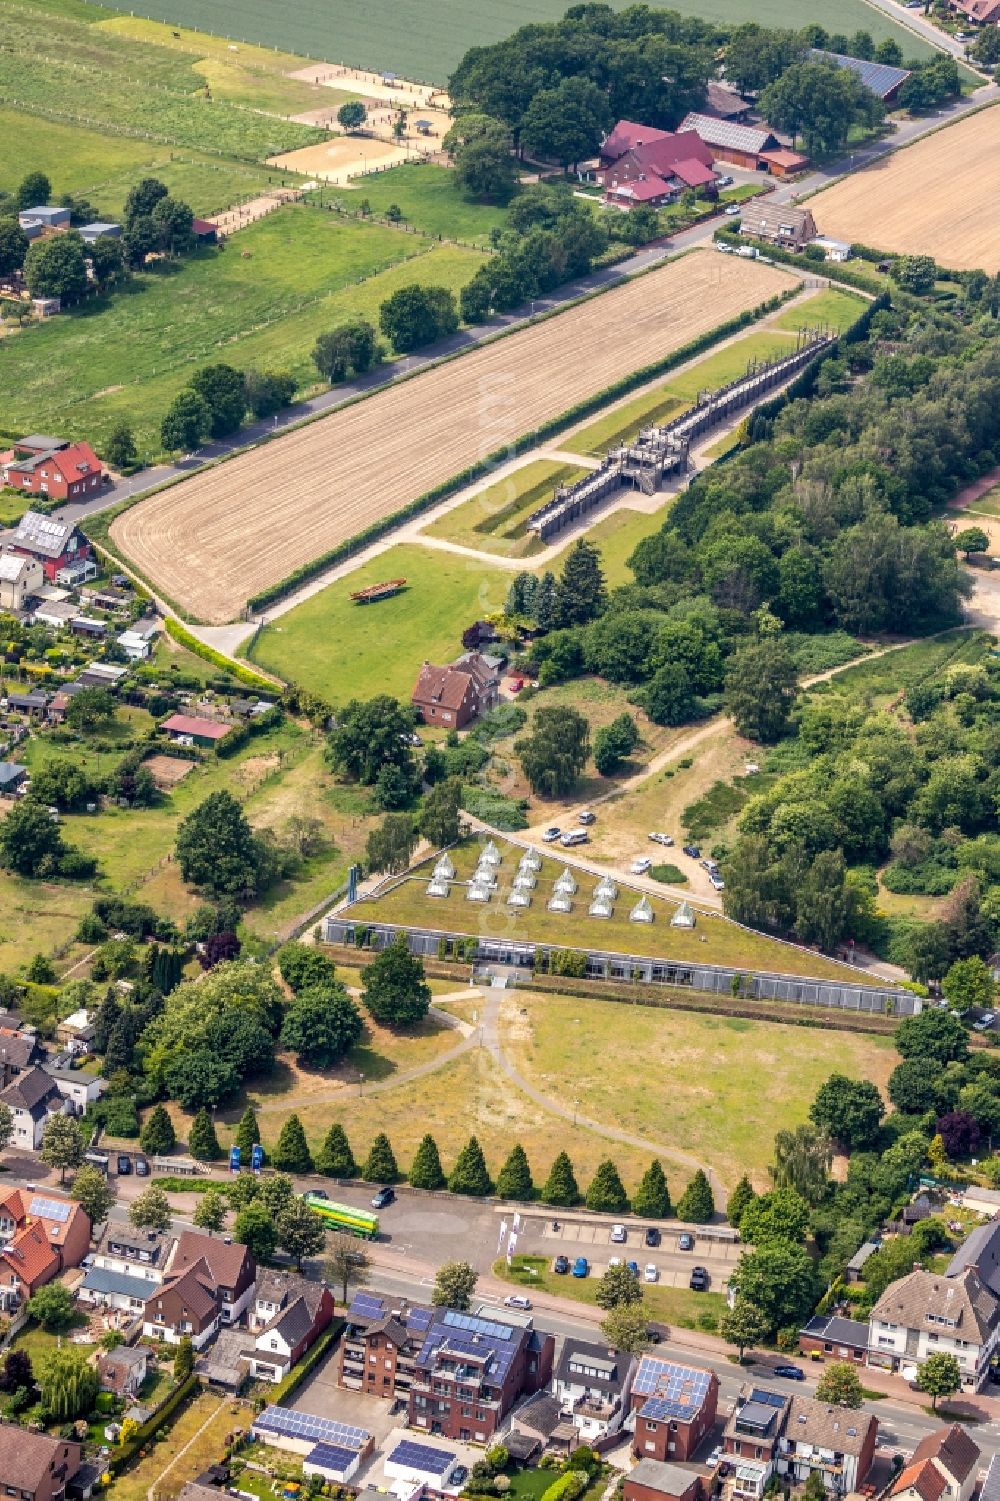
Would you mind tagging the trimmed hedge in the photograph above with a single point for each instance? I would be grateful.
(308, 1363)
(832, 270)
(538, 435)
(125, 1453)
(184, 638)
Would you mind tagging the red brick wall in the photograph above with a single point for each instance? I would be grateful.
(635, 1492)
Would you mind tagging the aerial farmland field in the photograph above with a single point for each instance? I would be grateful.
(889, 205)
(426, 42)
(215, 540)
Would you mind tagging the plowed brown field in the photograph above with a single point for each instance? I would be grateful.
(933, 198)
(220, 537)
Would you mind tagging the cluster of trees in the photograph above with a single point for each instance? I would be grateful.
(56, 265)
(32, 845)
(217, 400)
(922, 797)
(154, 221)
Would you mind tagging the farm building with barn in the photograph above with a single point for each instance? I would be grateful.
(641, 165)
(882, 79)
(755, 148)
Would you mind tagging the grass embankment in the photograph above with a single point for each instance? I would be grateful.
(713, 941)
(126, 356)
(495, 519)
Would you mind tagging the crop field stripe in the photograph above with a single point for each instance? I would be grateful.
(426, 43)
(931, 198)
(221, 537)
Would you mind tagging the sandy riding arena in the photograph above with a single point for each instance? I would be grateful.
(342, 157)
(220, 537)
(932, 198)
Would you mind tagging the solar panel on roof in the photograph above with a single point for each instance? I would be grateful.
(292, 1424)
(422, 1457)
(419, 1319)
(50, 1209)
(332, 1457)
(684, 1388)
(367, 1305)
(456, 1320)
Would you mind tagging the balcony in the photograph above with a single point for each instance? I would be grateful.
(596, 1408)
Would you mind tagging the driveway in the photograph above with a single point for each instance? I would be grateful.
(321, 1397)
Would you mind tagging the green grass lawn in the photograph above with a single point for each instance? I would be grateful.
(729, 363)
(37, 916)
(713, 941)
(494, 520)
(622, 423)
(881, 679)
(342, 650)
(95, 75)
(296, 271)
(988, 504)
(430, 199)
(617, 537)
(835, 308)
(700, 1087)
(665, 1305)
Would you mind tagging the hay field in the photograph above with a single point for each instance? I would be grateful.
(932, 198)
(220, 537)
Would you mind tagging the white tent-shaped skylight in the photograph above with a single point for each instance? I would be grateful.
(559, 902)
(444, 868)
(683, 917)
(642, 911)
(601, 907)
(566, 883)
(519, 899)
(438, 887)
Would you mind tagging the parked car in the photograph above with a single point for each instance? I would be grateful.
(384, 1198)
(124, 1165)
(693, 851)
(141, 1167)
(581, 1266)
(458, 1476)
(561, 1265)
(685, 1241)
(619, 1235)
(574, 836)
(716, 881)
(633, 1267)
(709, 864)
(652, 1273)
(663, 839)
(699, 1279)
(586, 816)
(656, 1332)
(732, 210)
(985, 1021)
(517, 1300)
(725, 181)
(790, 1372)
(652, 1236)
(639, 867)
(551, 835)
(614, 1261)
(714, 1458)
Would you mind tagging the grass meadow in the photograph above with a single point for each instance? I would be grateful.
(429, 198)
(261, 300)
(427, 45)
(701, 1087)
(340, 650)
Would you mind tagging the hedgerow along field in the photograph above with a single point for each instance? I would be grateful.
(888, 205)
(221, 537)
(427, 43)
(260, 300)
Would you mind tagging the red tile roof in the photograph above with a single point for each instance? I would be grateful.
(782, 157)
(190, 724)
(626, 134)
(663, 154)
(924, 1478)
(30, 1256)
(229, 1262)
(694, 173)
(642, 191)
(444, 686)
(951, 1447)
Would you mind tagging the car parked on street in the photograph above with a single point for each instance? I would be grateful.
(651, 1273)
(384, 1198)
(790, 1372)
(699, 1279)
(652, 1236)
(633, 1267)
(685, 1241)
(619, 1235)
(561, 1265)
(581, 1266)
(641, 866)
(517, 1300)
(551, 835)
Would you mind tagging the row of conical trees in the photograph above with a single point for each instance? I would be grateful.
(469, 1175)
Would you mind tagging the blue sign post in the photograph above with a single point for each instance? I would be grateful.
(234, 1159)
(256, 1157)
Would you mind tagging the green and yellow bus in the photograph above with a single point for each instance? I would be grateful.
(342, 1216)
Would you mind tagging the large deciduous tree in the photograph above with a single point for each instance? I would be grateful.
(555, 752)
(394, 989)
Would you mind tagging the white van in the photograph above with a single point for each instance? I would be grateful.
(574, 836)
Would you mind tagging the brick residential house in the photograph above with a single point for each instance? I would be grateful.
(779, 223)
(751, 1438)
(19, 1051)
(53, 468)
(35, 1467)
(53, 543)
(456, 694)
(471, 1370)
(380, 1345)
(641, 165)
(41, 1235)
(674, 1406)
(186, 1303)
(20, 578)
(288, 1314)
(232, 1267)
(127, 1265)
